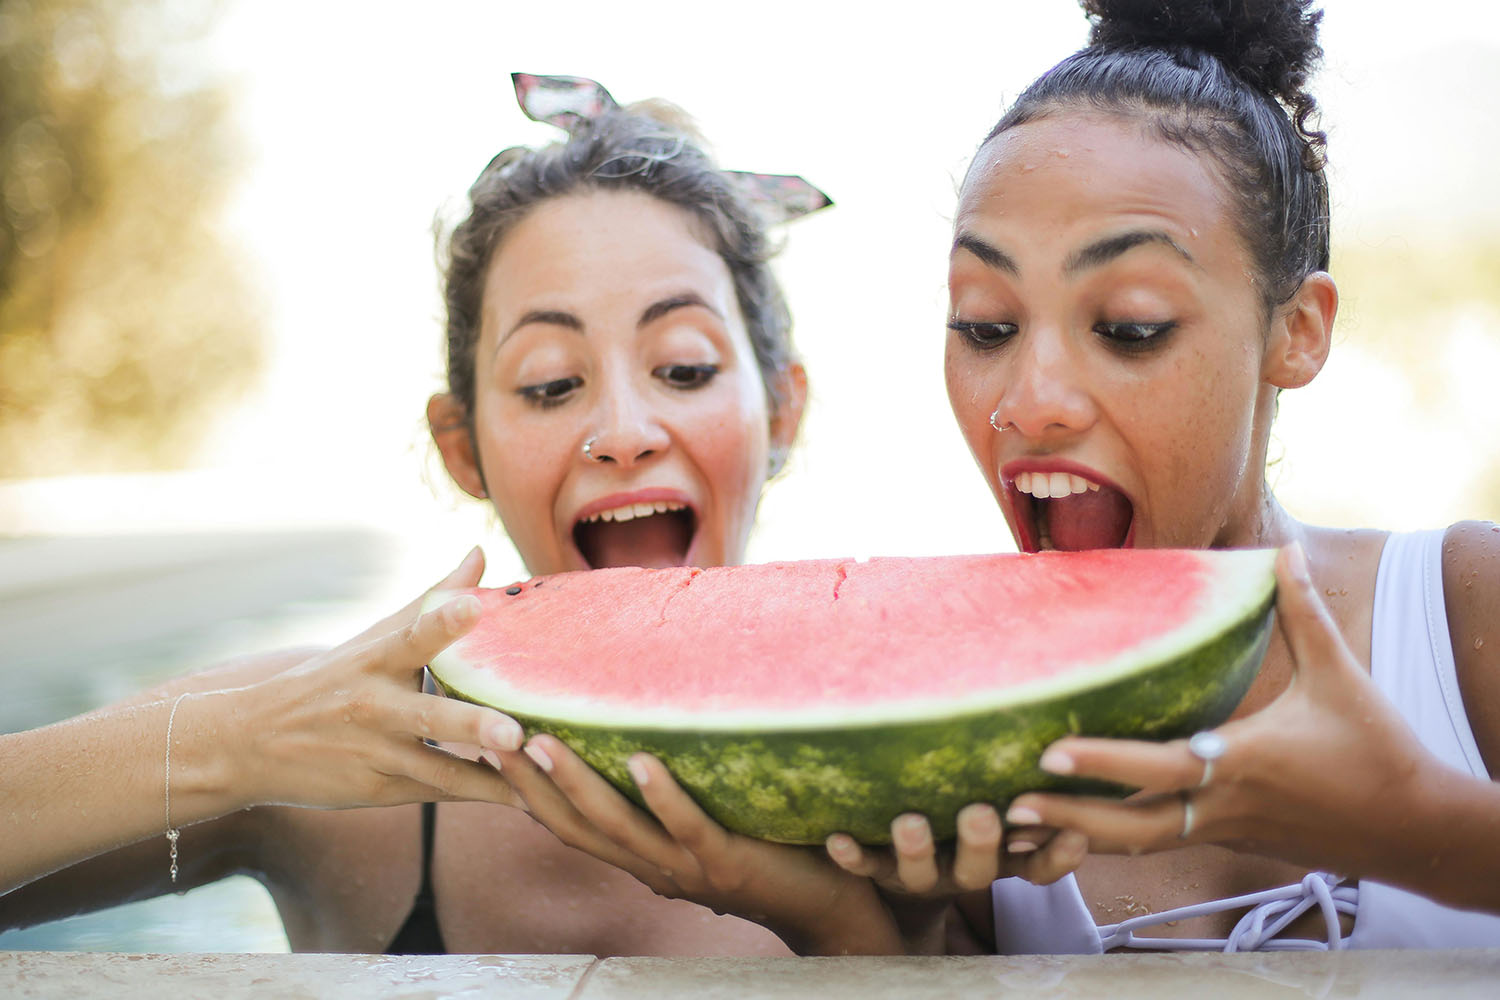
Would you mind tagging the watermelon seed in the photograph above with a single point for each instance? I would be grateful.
(512, 591)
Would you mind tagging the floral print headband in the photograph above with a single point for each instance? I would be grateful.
(572, 102)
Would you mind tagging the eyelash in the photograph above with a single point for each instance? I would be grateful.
(697, 376)
(555, 392)
(549, 394)
(983, 336)
(1130, 338)
(1142, 337)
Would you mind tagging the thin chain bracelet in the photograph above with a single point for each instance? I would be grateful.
(172, 834)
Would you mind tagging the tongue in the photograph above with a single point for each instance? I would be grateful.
(654, 542)
(1093, 520)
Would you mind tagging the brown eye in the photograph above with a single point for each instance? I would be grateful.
(1134, 338)
(686, 376)
(551, 393)
(983, 336)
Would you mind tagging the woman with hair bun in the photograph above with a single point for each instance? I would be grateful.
(1139, 268)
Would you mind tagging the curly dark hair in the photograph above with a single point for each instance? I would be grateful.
(647, 148)
(1225, 77)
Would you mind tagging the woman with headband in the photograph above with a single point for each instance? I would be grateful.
(621, 386)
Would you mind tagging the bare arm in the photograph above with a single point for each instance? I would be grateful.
(1329, 756)
(337, 729)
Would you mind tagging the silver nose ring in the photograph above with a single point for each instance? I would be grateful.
(588, 450)
(993, 423)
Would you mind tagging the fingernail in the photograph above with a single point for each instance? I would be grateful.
(491, 758)
(637, 769)
(840, 846)
(506, 734)
(539, 755)
(1022, 816)
(1020, 847)
(979, 822)
(1056, 761)
(461, 611)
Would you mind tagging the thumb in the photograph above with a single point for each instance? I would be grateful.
(465, 574)
(1315, 641)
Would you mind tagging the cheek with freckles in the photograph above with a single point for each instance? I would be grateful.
(728, 443)
(524, 469)
(1194, 448)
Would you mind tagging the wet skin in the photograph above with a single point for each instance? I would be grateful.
(1101, 312)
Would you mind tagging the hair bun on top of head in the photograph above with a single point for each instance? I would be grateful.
(1270, 44)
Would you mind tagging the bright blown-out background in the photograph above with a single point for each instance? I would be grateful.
(219, 317)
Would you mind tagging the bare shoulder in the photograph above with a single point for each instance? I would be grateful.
(1471, 591)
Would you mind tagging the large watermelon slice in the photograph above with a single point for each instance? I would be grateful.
(798, 699)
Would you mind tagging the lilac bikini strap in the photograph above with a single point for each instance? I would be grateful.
(1271, 911)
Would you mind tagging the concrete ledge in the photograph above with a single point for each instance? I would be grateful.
(1367, 974)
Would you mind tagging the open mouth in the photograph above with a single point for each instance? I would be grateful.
(653, 535)
(1067, 512)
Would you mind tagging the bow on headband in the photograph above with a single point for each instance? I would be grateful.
(571, 102)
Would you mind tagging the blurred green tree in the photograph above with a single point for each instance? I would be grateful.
(124, 318)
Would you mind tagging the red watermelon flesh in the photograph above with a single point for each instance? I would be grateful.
(797, 699)
(865, 633)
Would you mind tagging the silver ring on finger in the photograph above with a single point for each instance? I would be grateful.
(1208, 746)
(1187, 815)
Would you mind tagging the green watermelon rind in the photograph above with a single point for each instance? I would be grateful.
(797, 786)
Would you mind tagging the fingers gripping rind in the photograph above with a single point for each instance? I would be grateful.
(976, 862)
(916, 858)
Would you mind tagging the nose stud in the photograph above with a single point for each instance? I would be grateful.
(995, 423)
(588, 450)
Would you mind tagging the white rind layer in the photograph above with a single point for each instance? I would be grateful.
(1240, 582)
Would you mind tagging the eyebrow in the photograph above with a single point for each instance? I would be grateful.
(989, 255)
(1094, 255)
(684, 300)
(1103, 251)
(652, 313)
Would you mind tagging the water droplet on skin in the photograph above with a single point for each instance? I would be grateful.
(1330, 592)
(1478, 642)
(1063, 154)
(1027, 168)
(348, 717)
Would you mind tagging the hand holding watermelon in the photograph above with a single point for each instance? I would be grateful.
(1328, 756)
(919, 881)
(347, 727)
(683, 854)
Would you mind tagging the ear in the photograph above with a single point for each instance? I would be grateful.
(1301, 333)
(791, 385)
(449, 422)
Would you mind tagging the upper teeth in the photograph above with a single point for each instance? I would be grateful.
(633, 510)
(1044, 485)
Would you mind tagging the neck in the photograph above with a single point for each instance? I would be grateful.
(1268, 527)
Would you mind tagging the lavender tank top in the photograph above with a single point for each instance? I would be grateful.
(1411, 662)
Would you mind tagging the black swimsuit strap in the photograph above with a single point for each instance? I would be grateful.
(420, 934)
(429, 822)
